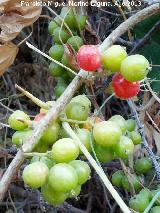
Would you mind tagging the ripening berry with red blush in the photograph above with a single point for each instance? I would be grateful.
(124, 89)
(89, 58)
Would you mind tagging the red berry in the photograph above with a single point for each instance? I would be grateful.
(39, 116)
(124, 89)
(89, 58)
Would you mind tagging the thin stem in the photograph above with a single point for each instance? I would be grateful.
(35, 100)
(32, 154)
(73, 121)
(98, 169)
(152, 202)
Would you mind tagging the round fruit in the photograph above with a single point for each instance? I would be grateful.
(135, 137)
(77, 111)
(75, 192)
(117, 178)
(143, 165)
(60, 36)
(59, 89)
(89, 58)
(147, 193)
(82, 21)
(63, 177)
(41, 147)
(124, 148)
(56, 52)
(18, 120)
(83, 170)
(51, 134)
(124, 89)
(133, 181)
(107, 133)
(103, 154)
(39, 116)
(20, 137)
(139, 203)
(155, 209)
(69, 17)
(65, 150)
(91, 122)
(47, 161)
(130, 125)
(134, 68)
(51, 196)
(82, 99)
(35, 174)
(113, 57)
(76, 42)
(84, 136)
(56, 70)
(51, 27)
(120, 121)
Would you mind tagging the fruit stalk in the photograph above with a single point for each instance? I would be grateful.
(98, 169)
(144, 141)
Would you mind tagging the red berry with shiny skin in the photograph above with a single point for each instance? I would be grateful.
(124, 89)
(89, 58)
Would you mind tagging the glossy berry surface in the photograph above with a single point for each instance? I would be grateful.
(134, 181)
(134, 68)
(135, 137)
(84, 136)
(55, 70)
(113, 57)
(103, 154)
(130, 125)
(117, 178)
(75, 192)
(107, 133)
(18, 120)
(63, 177)
(65, 150)
(82, 99)
(139, 203)
(75, 42)
(124, 89)
(56, 52)
(89, 58)
(143, 165)
(83, 170)
(20, 137)
(35, 174)
(60, 36)
(120, 121)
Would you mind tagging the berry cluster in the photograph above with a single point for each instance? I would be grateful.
(130, 70)
(66, 44)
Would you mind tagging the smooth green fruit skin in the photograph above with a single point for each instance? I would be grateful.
(63, 177)
(41, 147)
(135, 137)
(51, 196)
(84, 136)
(155, 209)
(47, 161)
(82, 99)
(83, 170)
(120, 121)
(104, 154)
(20, 137)
(60, 33)
(139, 203)
(107, 133)
(59, 89)
(77, 111)
(124, 148)
(133, 181)
(75, 192)
(65, 150)
(51, 134)
(55, 70)
(117, 178)
(130, 125)
(35, 174)
(147, 193)
(134, 68)
(76, 42)
(143, 165)
(113, 57)
(51, 27)
(56, 52)
(14, 118)
(69, 18)
(82, 21)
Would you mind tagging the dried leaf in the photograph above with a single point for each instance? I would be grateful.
(156, 136)
(8, 54)
(15, 16)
